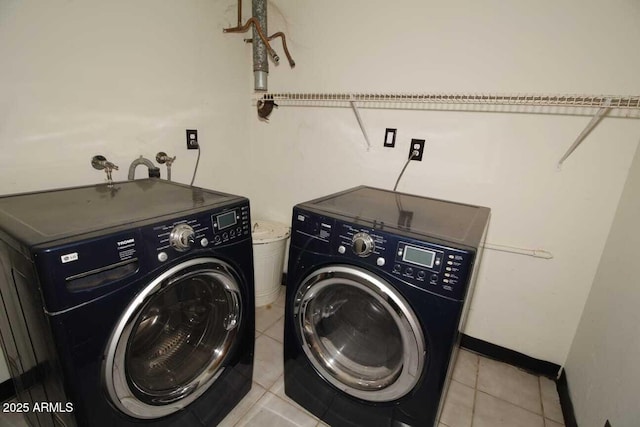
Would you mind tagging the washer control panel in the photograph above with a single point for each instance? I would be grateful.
(209, 229)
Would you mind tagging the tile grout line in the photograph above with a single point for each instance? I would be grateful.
(250, 407)
(544, 422)
(475, 391)
(511, 403)
(301, 409)
(541, 414)
(272, 323)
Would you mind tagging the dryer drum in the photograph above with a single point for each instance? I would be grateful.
(172, 342)
(175, 338)
(359, 333)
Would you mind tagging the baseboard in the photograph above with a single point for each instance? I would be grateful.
(493, 351)
(7, 390)
(565, 401)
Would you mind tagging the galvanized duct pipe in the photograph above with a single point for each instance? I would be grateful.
(260, 60)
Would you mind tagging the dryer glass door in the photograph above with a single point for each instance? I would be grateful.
(359, 333)
(172, 341)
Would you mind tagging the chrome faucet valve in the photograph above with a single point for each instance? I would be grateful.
(101, 163)
(162, 158)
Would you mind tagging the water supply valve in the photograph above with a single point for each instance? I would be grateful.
(163, 158)
(101, 163)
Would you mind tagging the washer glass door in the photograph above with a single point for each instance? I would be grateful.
(171, 343)
(359, 333)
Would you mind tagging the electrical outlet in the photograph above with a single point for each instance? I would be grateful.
(192, 139)
(416, 145)
(390, 137)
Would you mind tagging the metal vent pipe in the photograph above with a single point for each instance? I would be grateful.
(260, 60)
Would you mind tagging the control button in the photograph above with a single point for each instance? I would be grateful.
(421, 274)
(182, 237)
(380, 261)
(445, 280)
(448, 268)
(399, 252)
(225, 235)
(396, 268)
(239, 231)
(434, 277)
(232, 233)
(362, 244)
(450, 256)
(204, 242)
(450, 262)
(341, 249)
(437, 261)
(162, 256)
(217, 239)
(447, 274)
(408, 271)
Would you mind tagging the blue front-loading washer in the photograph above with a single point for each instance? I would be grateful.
(378, 285)
(127, 305)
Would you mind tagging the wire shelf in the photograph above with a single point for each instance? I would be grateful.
(590, 101)
(597, 106)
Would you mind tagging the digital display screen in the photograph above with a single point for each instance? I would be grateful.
(418, 256)
(226, 220)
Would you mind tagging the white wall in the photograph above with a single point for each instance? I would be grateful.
(506, 161)
(121, 79)
(602, 367)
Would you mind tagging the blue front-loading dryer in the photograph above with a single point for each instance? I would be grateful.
(378, 284)
(129, 304)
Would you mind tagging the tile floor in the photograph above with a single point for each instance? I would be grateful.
(483, 393)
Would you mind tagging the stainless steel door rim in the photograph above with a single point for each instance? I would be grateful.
(138, 402)
(345, 353)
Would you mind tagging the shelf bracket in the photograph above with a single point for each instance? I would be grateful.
(602, 111)
(359, 119)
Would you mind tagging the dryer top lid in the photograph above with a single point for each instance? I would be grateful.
(44, 216)
(416, 215)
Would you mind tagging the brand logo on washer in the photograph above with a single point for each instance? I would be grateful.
(69, 257)
(126, 242)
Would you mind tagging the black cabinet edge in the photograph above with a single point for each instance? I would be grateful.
(7, 390)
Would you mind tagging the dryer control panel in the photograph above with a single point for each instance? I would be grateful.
(426, 265)
(434, 267)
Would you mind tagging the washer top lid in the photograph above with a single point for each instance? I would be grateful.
(409, 214)
(45, 216)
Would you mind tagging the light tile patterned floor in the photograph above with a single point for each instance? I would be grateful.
(483, 393)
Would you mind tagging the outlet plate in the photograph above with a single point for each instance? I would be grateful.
(192, 139)
(390, 137)
(416, 145)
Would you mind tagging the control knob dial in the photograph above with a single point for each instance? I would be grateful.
(182, 237)
(362, 244)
